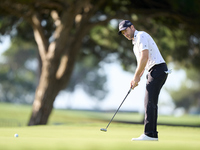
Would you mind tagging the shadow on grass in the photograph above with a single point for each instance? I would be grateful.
(165, 124)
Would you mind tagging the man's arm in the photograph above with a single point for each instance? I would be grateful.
(140, 68)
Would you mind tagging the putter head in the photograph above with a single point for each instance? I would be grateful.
(104, 130)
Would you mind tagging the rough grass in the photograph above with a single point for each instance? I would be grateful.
(18, 115)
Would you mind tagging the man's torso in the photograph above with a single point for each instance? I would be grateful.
(142, 41)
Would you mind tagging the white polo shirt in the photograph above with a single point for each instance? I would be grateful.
(142, 41)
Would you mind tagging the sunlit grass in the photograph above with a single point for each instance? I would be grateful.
(80, 130)
(89, 137)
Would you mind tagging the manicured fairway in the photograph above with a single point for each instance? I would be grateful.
(87, 136)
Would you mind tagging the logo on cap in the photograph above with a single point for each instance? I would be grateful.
(129, 23)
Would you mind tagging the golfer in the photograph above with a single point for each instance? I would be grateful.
(148, 57)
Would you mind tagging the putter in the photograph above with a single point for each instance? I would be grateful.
(105, 129)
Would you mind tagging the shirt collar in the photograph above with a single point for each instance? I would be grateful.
(135, 36)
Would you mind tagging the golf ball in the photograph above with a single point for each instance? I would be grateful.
(16, 135)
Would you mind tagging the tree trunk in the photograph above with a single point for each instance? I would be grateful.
(44, 96)
(55, 74)
(51, 82)
(58, 59)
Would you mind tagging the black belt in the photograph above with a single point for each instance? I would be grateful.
(157, 65)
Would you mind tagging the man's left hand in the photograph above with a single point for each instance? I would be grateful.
(135, 82)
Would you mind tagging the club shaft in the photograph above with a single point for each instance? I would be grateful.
(119, 107)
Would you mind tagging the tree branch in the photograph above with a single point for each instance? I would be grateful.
(39, 36)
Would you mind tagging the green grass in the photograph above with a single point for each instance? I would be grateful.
(18, 115)
(89, 137)
(80, 130)
(14, 115)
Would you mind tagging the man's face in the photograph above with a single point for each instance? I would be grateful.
(128, 33)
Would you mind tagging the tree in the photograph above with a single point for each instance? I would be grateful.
(60, 26)
(58, 55)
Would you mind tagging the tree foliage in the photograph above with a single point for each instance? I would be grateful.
(188, 96)
(18, 79)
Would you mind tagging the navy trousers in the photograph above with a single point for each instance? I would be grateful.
(156, 78)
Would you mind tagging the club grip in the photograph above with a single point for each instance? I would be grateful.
(130, 89)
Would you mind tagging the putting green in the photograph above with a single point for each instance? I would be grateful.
(89, 137)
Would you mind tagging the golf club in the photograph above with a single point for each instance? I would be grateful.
(105, 129)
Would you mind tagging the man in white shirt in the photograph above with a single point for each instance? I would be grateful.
(148, 57)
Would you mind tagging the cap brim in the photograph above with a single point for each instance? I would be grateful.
(120, 31)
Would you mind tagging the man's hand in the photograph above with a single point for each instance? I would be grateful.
(140, 68)
(135, 82)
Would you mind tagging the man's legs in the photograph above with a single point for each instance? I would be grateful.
(155, 80)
